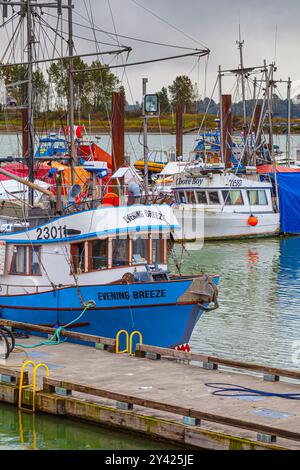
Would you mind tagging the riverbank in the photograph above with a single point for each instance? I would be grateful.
(99, 124)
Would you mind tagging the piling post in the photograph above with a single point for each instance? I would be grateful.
(179, 130)
(118, 129)
(226, 130)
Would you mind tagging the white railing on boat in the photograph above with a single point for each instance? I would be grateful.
(14, 289)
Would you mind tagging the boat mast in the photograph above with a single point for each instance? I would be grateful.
(269, 75)
(240, 44)
(71, 90)
(145, 81)
(30, 124)
(221, 115)
(289, 85)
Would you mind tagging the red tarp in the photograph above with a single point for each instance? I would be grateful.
(98, 154)
(21, 170)
(280, 169)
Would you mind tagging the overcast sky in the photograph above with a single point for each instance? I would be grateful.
(192, 23)
(213, 23)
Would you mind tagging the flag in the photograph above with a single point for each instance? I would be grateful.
(77, 131)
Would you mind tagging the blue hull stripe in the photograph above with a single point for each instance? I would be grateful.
(162, 320)
(86, 236)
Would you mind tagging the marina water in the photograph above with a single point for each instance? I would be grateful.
(258, 321)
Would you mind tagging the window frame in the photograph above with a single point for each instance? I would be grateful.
(228, 191)
(257, 191)
(208, 197)
(28, 260)
(90, 257)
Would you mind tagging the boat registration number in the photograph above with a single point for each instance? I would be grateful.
(235, 183)
(47, 233)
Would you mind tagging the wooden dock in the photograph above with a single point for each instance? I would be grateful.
(161, 393)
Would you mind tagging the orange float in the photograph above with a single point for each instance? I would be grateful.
(111, 199)
(252, 220)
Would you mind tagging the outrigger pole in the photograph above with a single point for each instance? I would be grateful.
(26, 10)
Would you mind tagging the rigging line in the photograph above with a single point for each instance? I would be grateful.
(143, 62)
(9, 20)
(84, 38)
(115, 30)
(132, 38)
(91, 19)
(169, 24)
(11, 39)
(45, 32)
(124, 72)
(207, 108)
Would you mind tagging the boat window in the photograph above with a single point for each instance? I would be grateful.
(257, 197)
(182, 198)
(19, 260)
(35, 263)
(78, 257)
(233, 198)
(213, 197)
(158, 250)
(26, 260)
(98, 255)
(119, 252)
(190, 197)
(140, 250)
(202, 199)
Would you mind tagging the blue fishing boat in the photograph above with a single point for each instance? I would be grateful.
(101, 271)
(52, 146)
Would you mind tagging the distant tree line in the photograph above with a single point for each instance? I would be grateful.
(93, 90)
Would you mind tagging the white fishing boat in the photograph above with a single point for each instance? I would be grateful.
(218, 205)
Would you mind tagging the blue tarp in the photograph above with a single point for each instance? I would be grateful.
(289, 201)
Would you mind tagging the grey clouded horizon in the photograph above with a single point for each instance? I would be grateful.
(214, 24)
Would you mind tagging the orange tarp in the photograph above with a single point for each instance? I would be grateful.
(80, 177)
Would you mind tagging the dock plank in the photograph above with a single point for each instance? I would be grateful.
(163, 392)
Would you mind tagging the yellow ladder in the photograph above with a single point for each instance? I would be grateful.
(34, 435)
(32, 385)
(128, 341)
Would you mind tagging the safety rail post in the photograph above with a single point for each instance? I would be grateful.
(130, 340)
(118, 342)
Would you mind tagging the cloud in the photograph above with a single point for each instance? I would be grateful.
(195, 22)
(214, 24)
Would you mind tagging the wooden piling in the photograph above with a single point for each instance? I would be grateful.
(179, 129)
(226, 130)
(118, 129)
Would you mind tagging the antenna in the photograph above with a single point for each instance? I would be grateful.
(5, 14)
(59, 7)
(240, 44)
(275, 46)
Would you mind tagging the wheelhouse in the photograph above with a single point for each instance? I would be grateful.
(258, 198)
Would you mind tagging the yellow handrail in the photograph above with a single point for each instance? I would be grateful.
(32, 385)
(34, 439)
(130, 340)
(118, 342)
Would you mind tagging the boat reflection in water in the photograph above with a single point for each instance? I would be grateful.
(259, 315)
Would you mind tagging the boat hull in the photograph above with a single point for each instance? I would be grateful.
(226, 225)
(150, 308)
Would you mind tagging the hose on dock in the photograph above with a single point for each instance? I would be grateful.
(56, 337)
(226, 390)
